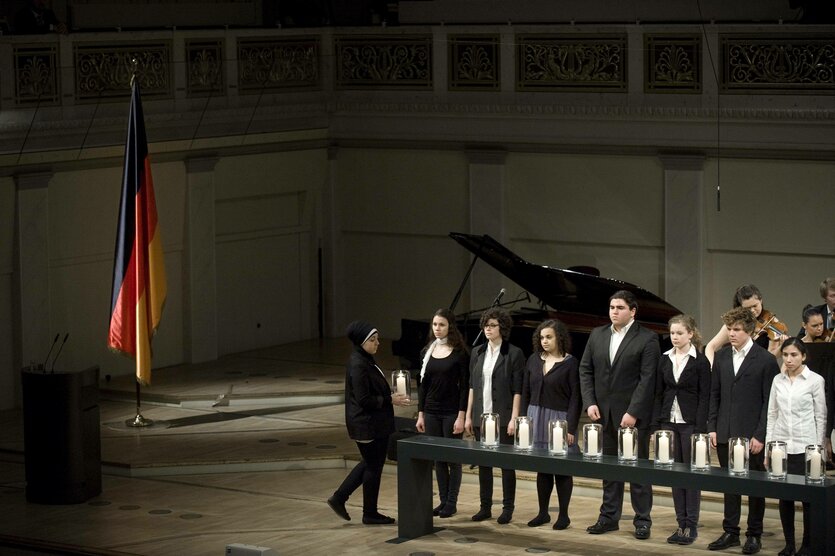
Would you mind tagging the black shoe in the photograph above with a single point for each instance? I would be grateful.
(788, 550)
(378, 519)
(727, 540)
(642, 532)
(448, 510)
(437, 509)
(688, 536)
(804, 550)
(482, 514)
(562, 522)
(602, 527)
(505, 518)
(676, 537)
(540, 519)
(752, 545)
(339, 508)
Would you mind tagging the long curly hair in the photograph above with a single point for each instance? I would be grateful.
(454, 338)
(560, 330)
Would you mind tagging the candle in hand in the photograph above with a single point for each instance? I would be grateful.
(777, 461)
(627, 439)
(815, 466)
(701, 453)
(558, 438)
(739, 457)
(664, 449)
(524, 433)
(591, 442)
(401, 385)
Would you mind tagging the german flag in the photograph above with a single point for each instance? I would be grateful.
(139, 287)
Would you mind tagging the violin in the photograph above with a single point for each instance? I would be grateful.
(769, 324)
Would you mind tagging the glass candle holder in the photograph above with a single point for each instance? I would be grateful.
(664, 447)
(592, 441)
(777, 456)
(558, 437)
(627, 444)
(401, 383)
(699, 451)
(524, 434)
(815, 463)
(738, 452)
(490, 430)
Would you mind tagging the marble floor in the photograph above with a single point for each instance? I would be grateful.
(247, 448)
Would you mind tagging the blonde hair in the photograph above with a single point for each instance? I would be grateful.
(689, 323)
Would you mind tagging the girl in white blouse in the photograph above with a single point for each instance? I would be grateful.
(797, 416)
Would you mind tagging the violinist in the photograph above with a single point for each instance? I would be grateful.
(827, 310)
(812, 325)
(769, 331)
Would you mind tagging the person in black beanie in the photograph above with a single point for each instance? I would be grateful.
(369, 417)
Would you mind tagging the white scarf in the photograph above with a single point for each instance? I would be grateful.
(437, 342)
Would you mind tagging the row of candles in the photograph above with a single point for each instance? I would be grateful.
(738, 447)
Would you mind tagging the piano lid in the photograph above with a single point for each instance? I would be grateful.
(565, 291)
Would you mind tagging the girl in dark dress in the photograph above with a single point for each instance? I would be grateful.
(442, 400)
(551, 391)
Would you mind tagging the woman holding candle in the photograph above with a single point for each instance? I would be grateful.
(496, 369)
(797, 416)
(681, 403)
(551, 391)
(442, 400)
(369, 417)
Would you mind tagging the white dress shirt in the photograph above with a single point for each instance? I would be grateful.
(797, 410)
(490, 357)
(678, 366)
(617, 339)
(738, 355)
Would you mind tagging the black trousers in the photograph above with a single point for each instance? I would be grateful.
(686, 500)
(485, 480)
(367, 473)
(447, 474)
(733, 502)
(640, 494)
(796, 466)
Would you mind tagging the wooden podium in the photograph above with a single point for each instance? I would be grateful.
(61, 437)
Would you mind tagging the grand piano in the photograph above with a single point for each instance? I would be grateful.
(577, 296)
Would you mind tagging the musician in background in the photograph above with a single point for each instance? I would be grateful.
(496, 369)
(827, 310)
(749, 296)
(442, 400)
(812, 325)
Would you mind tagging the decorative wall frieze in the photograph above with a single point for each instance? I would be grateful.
(36, 75)
(204, 68)
(473, 62)
(275, 64)
(103, 70)
(571, 62)
(401, 62)
(672, 63)
(787, 64)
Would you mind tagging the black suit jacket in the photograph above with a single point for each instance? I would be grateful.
(506, 380)
(627, 385)
(739, 404)
(692, 391)
(369, 412)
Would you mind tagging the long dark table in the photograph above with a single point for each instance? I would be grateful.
(415, 457)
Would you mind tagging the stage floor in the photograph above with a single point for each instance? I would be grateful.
(258, 471)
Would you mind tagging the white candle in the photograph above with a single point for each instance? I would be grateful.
(558, 438)
(490, 430)
(739, 457)
(401, 385)
(701, 453)
(664, 449)
(524, 433)
(777, 461)
(591, 442)
(627, 444)
(815, 466)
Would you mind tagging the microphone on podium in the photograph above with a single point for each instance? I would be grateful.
(48, 353)
(52, 369)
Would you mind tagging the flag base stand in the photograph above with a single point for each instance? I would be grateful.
(139, 422)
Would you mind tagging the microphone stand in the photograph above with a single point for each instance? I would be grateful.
(494, 304)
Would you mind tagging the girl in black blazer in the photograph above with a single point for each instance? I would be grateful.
(369, 417)
(681, 405)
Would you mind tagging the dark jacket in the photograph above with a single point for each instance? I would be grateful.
(692, 391)
(739, 404)
(627, 385)
(369, 413)
(507, 381)
(558, 389)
